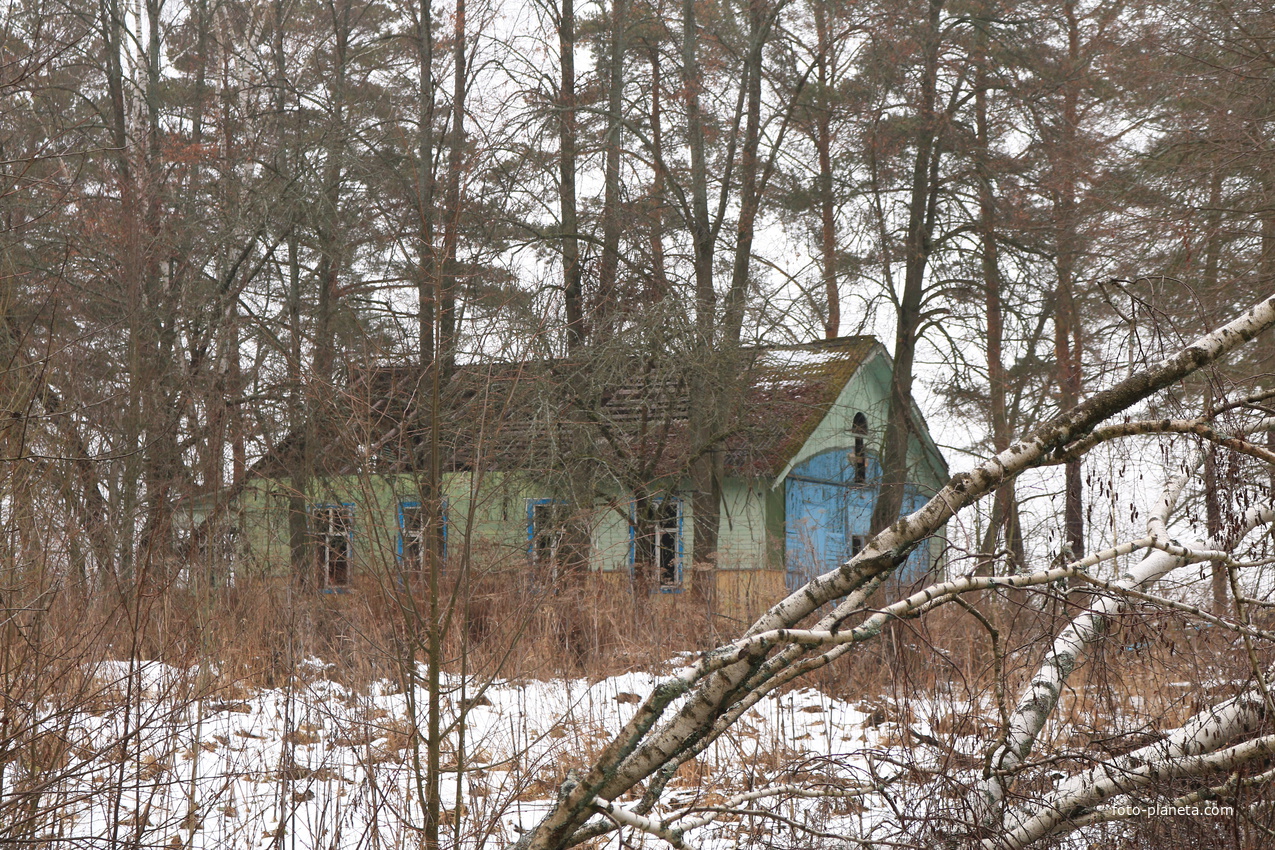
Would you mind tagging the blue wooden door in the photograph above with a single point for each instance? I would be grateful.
(819, 526)
(828, 514)
(815, 530)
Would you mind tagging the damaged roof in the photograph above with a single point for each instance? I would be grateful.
(542, 416)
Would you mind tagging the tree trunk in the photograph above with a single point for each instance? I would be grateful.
(827, 201)
(572, 289)
(1005, 506)
(659, 272)
(750, 176)
(608, 266)
(447, 319)
(705, 474)
(426, 280)
(1213, 522)
(1067, 326)
(300, 460)
(921, 213)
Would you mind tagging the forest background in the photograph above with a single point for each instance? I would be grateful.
(214, 214)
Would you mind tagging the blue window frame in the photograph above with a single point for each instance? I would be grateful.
(333, 526)
(666, 541)
(411, 534)
(546, 528)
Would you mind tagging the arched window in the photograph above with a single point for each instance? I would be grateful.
(860, 431)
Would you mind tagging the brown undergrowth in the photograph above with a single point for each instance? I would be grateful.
(1151, 667)
(935, 688)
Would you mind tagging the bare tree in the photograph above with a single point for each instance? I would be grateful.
(716, 690)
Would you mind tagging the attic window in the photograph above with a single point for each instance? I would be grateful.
(334, 530)
(860, 431)
(387, 456)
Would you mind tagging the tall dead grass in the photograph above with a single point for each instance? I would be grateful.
(68, 648)
(258, 630)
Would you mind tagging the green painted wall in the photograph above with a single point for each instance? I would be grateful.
(742, 538)
(744, 541)
(609, 532)
(490, 517)
(488, 514)
(868, 391)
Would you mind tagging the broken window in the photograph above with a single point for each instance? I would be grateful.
(860, 431)
(412, 540)
(660, 544)
(546, 528)
(387, 456)
(218, 551)
(334, 530)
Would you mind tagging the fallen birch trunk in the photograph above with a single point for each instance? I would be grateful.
(650, 740)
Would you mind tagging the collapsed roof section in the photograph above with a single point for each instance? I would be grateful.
(543, 416)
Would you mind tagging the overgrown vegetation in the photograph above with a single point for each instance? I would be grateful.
(260, 712)
(218, 218)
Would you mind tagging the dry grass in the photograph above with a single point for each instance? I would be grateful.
(1153, 669)
(260, 630)
(935, 678)
(258, 633)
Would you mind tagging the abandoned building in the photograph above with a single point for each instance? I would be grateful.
(529, 450)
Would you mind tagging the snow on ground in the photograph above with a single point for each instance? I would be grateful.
(137, 759)
(320, 765)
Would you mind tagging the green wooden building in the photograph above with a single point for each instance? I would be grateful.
(530, 449)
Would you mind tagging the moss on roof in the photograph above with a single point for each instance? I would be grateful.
(792, 390)
(529, 415)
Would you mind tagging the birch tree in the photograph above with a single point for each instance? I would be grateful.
(685, 713)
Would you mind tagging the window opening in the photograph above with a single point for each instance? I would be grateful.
(546, 528)
(411, 534)
(664, 537)
(860, 431)
(334, 526)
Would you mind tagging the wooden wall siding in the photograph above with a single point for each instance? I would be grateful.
(827, 508)
(743, 542)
